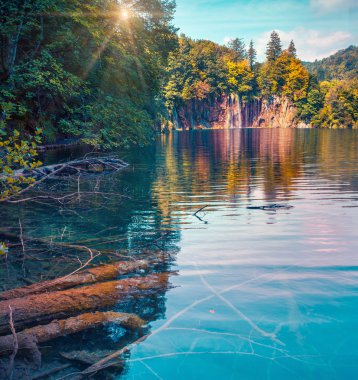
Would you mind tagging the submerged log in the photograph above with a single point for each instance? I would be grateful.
(56, 329)
(43, 307)
(87, 276)
(86, 357)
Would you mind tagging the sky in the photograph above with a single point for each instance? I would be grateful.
(318, 27)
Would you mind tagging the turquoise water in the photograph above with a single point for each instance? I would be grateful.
(258, 292)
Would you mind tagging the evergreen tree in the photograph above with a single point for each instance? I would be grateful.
(292, 49)
(274, 47)
(239, 48)
(251, 54)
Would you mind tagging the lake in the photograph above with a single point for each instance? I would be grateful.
(262, 230)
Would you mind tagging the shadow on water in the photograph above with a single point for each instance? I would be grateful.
(185, 182)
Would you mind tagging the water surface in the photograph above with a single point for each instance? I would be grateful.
(258, 293)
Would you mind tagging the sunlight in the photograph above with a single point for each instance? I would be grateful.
(124, 14)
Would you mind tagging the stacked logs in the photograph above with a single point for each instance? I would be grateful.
(51, 309)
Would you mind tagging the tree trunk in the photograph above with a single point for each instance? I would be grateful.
(47, 306)
(87, 276)
(56, 329)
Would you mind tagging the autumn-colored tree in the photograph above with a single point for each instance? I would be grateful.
(240, 78)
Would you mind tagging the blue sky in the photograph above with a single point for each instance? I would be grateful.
(318, 27)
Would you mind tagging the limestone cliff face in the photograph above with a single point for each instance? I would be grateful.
(278, 113)
(230, 112)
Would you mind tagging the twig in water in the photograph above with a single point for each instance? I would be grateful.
(200, 209)
(16, 344)
(197, 212)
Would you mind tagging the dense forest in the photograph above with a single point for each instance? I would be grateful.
(202, 69)
(111, 73)
(84, 68)
(341, 65)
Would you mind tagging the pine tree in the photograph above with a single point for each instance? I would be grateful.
(274, 47)
(292, 49)
(238, 46)
(251, 54)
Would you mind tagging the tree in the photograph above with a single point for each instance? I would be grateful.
(240, 77)
(251, 54)
(274, 47)
(62, 62)
(237, 45)
(292, 49)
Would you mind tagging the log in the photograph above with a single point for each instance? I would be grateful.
(56, 329)
(87, 357)
(87, 276)
(46, 306)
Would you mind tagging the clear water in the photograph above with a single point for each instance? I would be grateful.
(257, 293)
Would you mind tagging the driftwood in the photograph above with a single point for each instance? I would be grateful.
(47, 306)
(56, 329)
(87, 165)
(87, 276)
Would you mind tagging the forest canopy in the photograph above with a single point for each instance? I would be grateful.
(84, 68)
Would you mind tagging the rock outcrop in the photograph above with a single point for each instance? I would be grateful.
(231, 112)
(277, 113)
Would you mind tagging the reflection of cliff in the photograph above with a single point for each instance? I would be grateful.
(240, 162)
(231, 112)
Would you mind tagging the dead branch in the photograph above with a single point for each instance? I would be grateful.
(107, 361)
(13, 344)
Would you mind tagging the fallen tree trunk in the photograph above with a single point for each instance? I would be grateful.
(87, 276)
(56, 329)
(43, 307)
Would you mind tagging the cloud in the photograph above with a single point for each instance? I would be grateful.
(226, 40)
(310, 44)
(333, 5)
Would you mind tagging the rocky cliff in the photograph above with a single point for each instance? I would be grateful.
(277, 113)
(230, 112)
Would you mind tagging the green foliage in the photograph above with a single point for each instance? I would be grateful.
(251, 54)
(3, 249)
(341, 65)
(240, 78)
(274, 47)
(16, 153)
(292, 49)
(330, 104)
(63, 62)
(202, 69)
(237, 45)
(333, 104)
(340, 109)
(284, 76)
